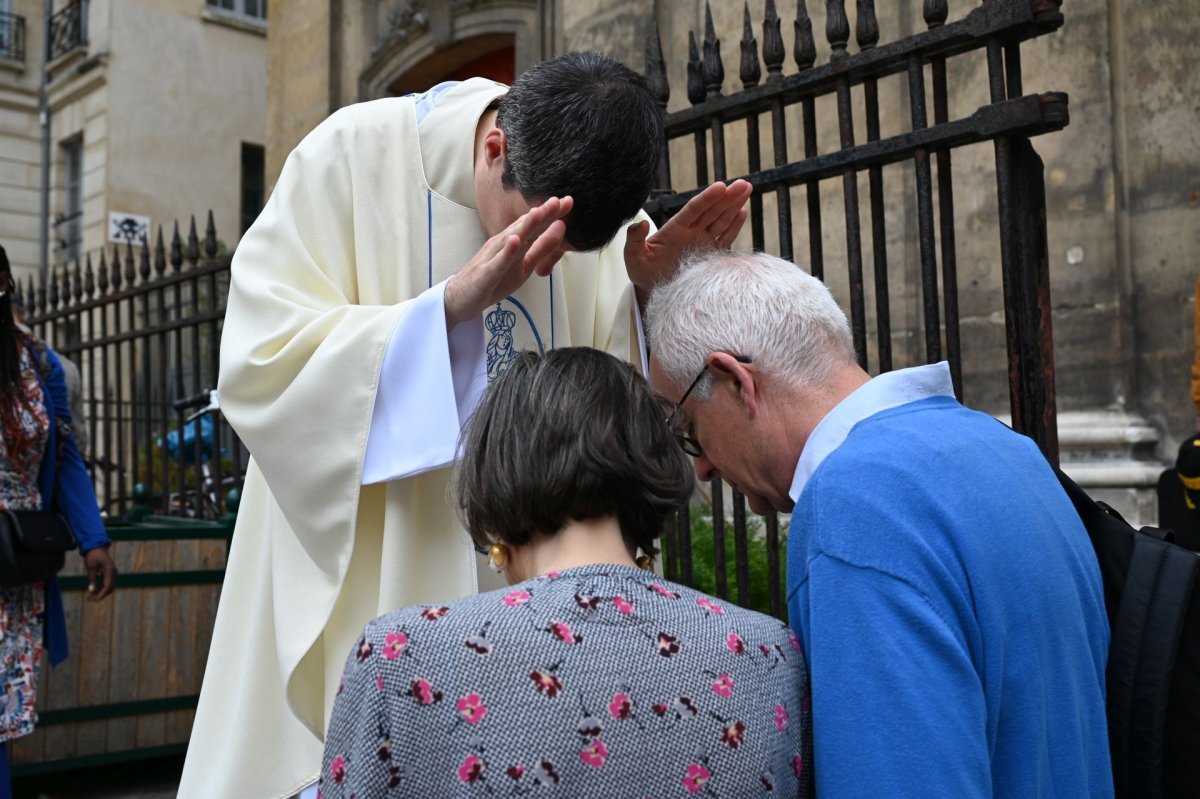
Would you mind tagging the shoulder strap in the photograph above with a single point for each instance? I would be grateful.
(1145, 641)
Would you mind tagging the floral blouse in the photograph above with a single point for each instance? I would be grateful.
(599, 681)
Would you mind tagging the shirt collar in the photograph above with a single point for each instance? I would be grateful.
(888, 390)
(448, 116)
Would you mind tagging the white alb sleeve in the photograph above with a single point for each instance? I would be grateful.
(429, 384)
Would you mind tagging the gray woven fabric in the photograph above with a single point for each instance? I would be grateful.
(600, 681)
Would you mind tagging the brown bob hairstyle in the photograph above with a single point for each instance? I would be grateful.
(570, 435)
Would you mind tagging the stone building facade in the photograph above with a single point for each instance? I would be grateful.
(1122, 180)
(155, 112)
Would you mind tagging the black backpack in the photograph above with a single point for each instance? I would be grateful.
(1153, 673)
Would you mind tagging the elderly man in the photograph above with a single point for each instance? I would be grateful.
(942, 585)
(407, 252)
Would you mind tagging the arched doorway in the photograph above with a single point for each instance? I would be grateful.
(488, 56)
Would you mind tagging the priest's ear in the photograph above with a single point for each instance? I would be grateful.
(495, 146)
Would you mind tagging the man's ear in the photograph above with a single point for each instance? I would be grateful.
(738, 377)
(495, 146)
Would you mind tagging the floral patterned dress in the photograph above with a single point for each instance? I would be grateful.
(599, 681)
(22, 608)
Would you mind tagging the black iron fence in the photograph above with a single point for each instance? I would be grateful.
(143, 325)
(12, 36)
(994, 29)
(68, 29)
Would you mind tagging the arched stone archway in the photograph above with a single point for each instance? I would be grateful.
(418, 44)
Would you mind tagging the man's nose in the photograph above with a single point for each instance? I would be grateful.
(705, 470)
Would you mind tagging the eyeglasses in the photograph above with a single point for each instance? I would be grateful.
(676, 419)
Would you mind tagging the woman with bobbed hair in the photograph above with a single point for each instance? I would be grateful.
(590, 675)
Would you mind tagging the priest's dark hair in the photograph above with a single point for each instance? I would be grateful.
(584, 125)
(570, 435)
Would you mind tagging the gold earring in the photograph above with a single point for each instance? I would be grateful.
(497, 557)
(645, 562)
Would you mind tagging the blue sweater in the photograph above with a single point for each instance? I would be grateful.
(952, 614)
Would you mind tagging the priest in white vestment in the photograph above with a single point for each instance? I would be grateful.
(349, 361)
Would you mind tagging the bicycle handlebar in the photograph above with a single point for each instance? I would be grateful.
(194, 401)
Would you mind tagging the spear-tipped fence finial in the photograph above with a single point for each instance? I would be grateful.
(805, 48)
(866, 25)
(749, 69)
(837, 28)
(656, 67)
(714, 70)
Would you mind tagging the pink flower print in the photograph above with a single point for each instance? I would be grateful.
(433, 614)
(379, 682)
(696, 778)
(384, 750)
(515, 771)
(798, 766)
(723, 686)
(337, 769)
(471, 770)
(667, 645)
(660, 708)
(594, 754)
(546, 684)
(551, 575)
(547, 774)
(660, 590)
(710, 606)
(341, 683)
(423, 692)
(478, 644)
(471, 708)
(781, 717)
(563, 633)
(766, 650)
(793, 640)
(393, 645)
(735, 644)
(623, 605)
(364, 649)
(733, 735)
(589, 728)
(768, 783)
(621, 706)
(685, 707)
(515, 599)
(587, 602)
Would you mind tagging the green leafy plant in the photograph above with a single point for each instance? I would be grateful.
(704, 572)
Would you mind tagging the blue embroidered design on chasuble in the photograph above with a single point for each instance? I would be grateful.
(500, 324)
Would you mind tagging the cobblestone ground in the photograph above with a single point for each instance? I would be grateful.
(152, 780)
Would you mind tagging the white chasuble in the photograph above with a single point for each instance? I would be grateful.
(367, 221)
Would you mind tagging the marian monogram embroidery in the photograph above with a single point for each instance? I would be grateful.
(500, 352)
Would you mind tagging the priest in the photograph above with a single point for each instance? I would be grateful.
(410, 247)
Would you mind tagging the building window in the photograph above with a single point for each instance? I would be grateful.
(70, 224)
(255, 9)
(253, 183)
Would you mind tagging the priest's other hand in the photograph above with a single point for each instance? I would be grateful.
(710, 220)
(533, 244)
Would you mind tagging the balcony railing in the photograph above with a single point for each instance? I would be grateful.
(68, 29)
(12, 37)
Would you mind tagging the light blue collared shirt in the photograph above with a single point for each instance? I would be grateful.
(888, 390)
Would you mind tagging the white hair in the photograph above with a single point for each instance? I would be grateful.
(751, 304)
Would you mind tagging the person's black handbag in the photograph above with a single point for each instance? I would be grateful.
(33, 546)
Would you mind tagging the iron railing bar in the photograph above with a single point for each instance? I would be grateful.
(858, 313)
(883, 315)
(1023, 116)
(774, 576)
(1014, 21)
(945, 193)
(718, 527)
(143, 332)
(217, 266)
(741, 550)
(925, 237)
